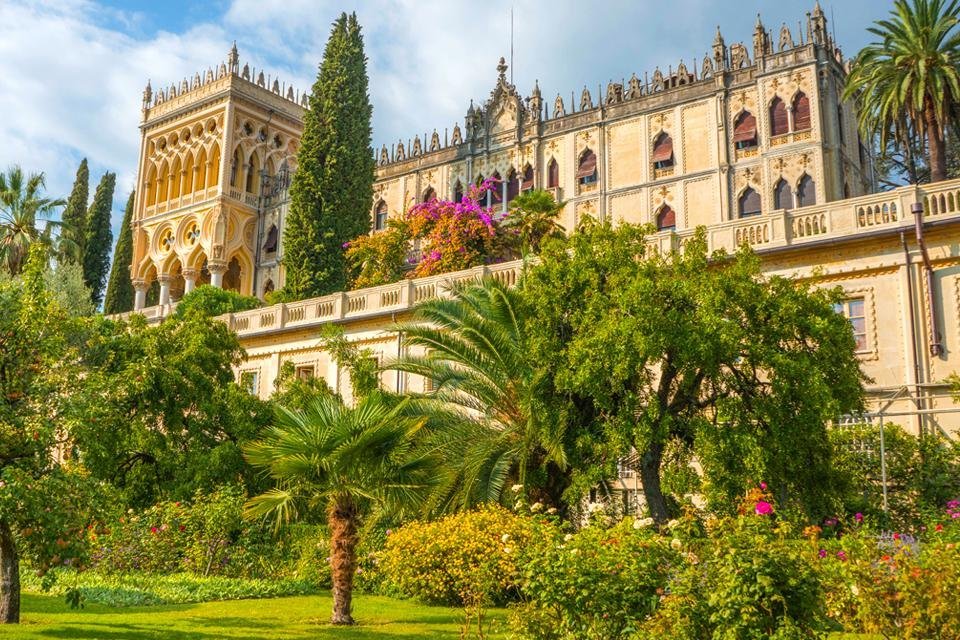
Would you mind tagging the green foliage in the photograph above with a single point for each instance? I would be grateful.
(333, 186)
(923, 472)
(743, 369)
(98, 238)
(22, 206)
(533, 219)
(210, 301)
(136, 589)
(361, 364)
(380, 258)
(459, 559)
(160, 415)
(499, 422)
(910, 78)
(297, 393)
(64, 282)
(74, 218)
(597, 583)
(120, 293)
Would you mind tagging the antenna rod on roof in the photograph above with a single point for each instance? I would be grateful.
(511, 44)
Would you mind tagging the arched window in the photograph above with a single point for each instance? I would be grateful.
(233, 276)
(213, 174)
(273, 238)
(801, 112)
(268, 287)
(666, 219)
(527, 183)
(201, 171)
(484, 198)
(782, 195)
(587, 168)
(662, 151)
(380, 216)
(846, 190)
(779, 122)
(457, 192)
(749, 204)
(496, 192)
(840, 122)
(429, 194)
(745, 131)
(513, 185)
(188, 172)
(152, 186)
(253, 168)
(806, 191)
(162, 183)
(175, 176)
(553, 174)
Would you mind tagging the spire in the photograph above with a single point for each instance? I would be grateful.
(233, 59)
(147, 95)
(818, 26)
(536, 88)
(719, 51)
(718, 39)
(761, 40)
(536, 101)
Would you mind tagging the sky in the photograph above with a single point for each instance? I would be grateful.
(72, 72)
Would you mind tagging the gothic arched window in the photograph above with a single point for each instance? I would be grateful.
(553, 174)
(527, 183)
(253, 168)
(801, 112)
(235, 169)
(666, 219)
(429, 194)
(779, 121)
(273, 238)
(496, 192)
(457, 192)
(662, 151)
(806, 191)
(587, 168)
(380, 216)
(782, 195)
(749, 203)
(745, 131)
(513, 185)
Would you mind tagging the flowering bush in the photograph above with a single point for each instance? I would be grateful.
(458, 559)
(379, 258)
(596, 583)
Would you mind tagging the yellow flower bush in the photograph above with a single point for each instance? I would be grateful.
(460, 559)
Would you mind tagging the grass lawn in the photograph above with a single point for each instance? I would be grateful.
(46, 617)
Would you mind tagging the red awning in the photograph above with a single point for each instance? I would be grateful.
(588, 166)
(664, 150)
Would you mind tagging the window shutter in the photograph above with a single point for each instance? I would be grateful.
(807, 192)
(272, 237)
(666, 219)
(513, 185)
(663, 149)
(588, 165)
(779, 122)
(749, 203)
(801, 112)
(782, 197)
(553, 177)
(746, 128)
(527, 179)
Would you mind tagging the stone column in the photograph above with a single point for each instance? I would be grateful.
(140, 297)
(189, 280)
(217, 269)
(790, 117)
(164, 281)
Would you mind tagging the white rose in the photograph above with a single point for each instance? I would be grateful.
(675, 544)
(672, 524)
(517, 488)
(504, 537)
(568, 537)
(536, 507)
(640, 523)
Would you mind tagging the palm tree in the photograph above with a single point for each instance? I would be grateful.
(21, 206)
(911, 77)
(533, 217)
(346, 461)
(488, 407)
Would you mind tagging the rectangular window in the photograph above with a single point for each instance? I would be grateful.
(250, 382)
(305, 372)
(854, 310)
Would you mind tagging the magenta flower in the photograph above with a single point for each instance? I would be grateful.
(763, 485)
(841, 555)
(822, 553)
(153, 529)
(858, 517)
(763, 508)
(830, 522)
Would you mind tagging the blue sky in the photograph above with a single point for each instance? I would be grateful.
(72, 71)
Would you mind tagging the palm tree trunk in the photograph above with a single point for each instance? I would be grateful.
(650, 479)
(9, 577)
(935, 142)
(342, 516)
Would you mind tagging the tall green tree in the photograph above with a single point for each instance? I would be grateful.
(495, 424)
(344, 461)
(120, 293)
(74, 218)
(22, 206)
(533, 218)
(99, 238)
(332, 189)
(910, 78)
(699, 352)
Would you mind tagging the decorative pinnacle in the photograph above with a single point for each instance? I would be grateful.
(502, 68)
(536, 88)
(718, 39)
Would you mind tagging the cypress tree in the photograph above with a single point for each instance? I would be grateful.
(332, 189)
(120, 293)
(75, 214)
(99, 237)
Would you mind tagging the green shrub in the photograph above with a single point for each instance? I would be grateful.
(214, 301)
(460, 559)
(597, 583)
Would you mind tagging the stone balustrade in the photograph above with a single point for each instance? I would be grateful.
(832, 221)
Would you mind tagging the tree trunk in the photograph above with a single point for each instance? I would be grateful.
(342, 517)
(650, 478)
(9, 577)
(935, 143)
